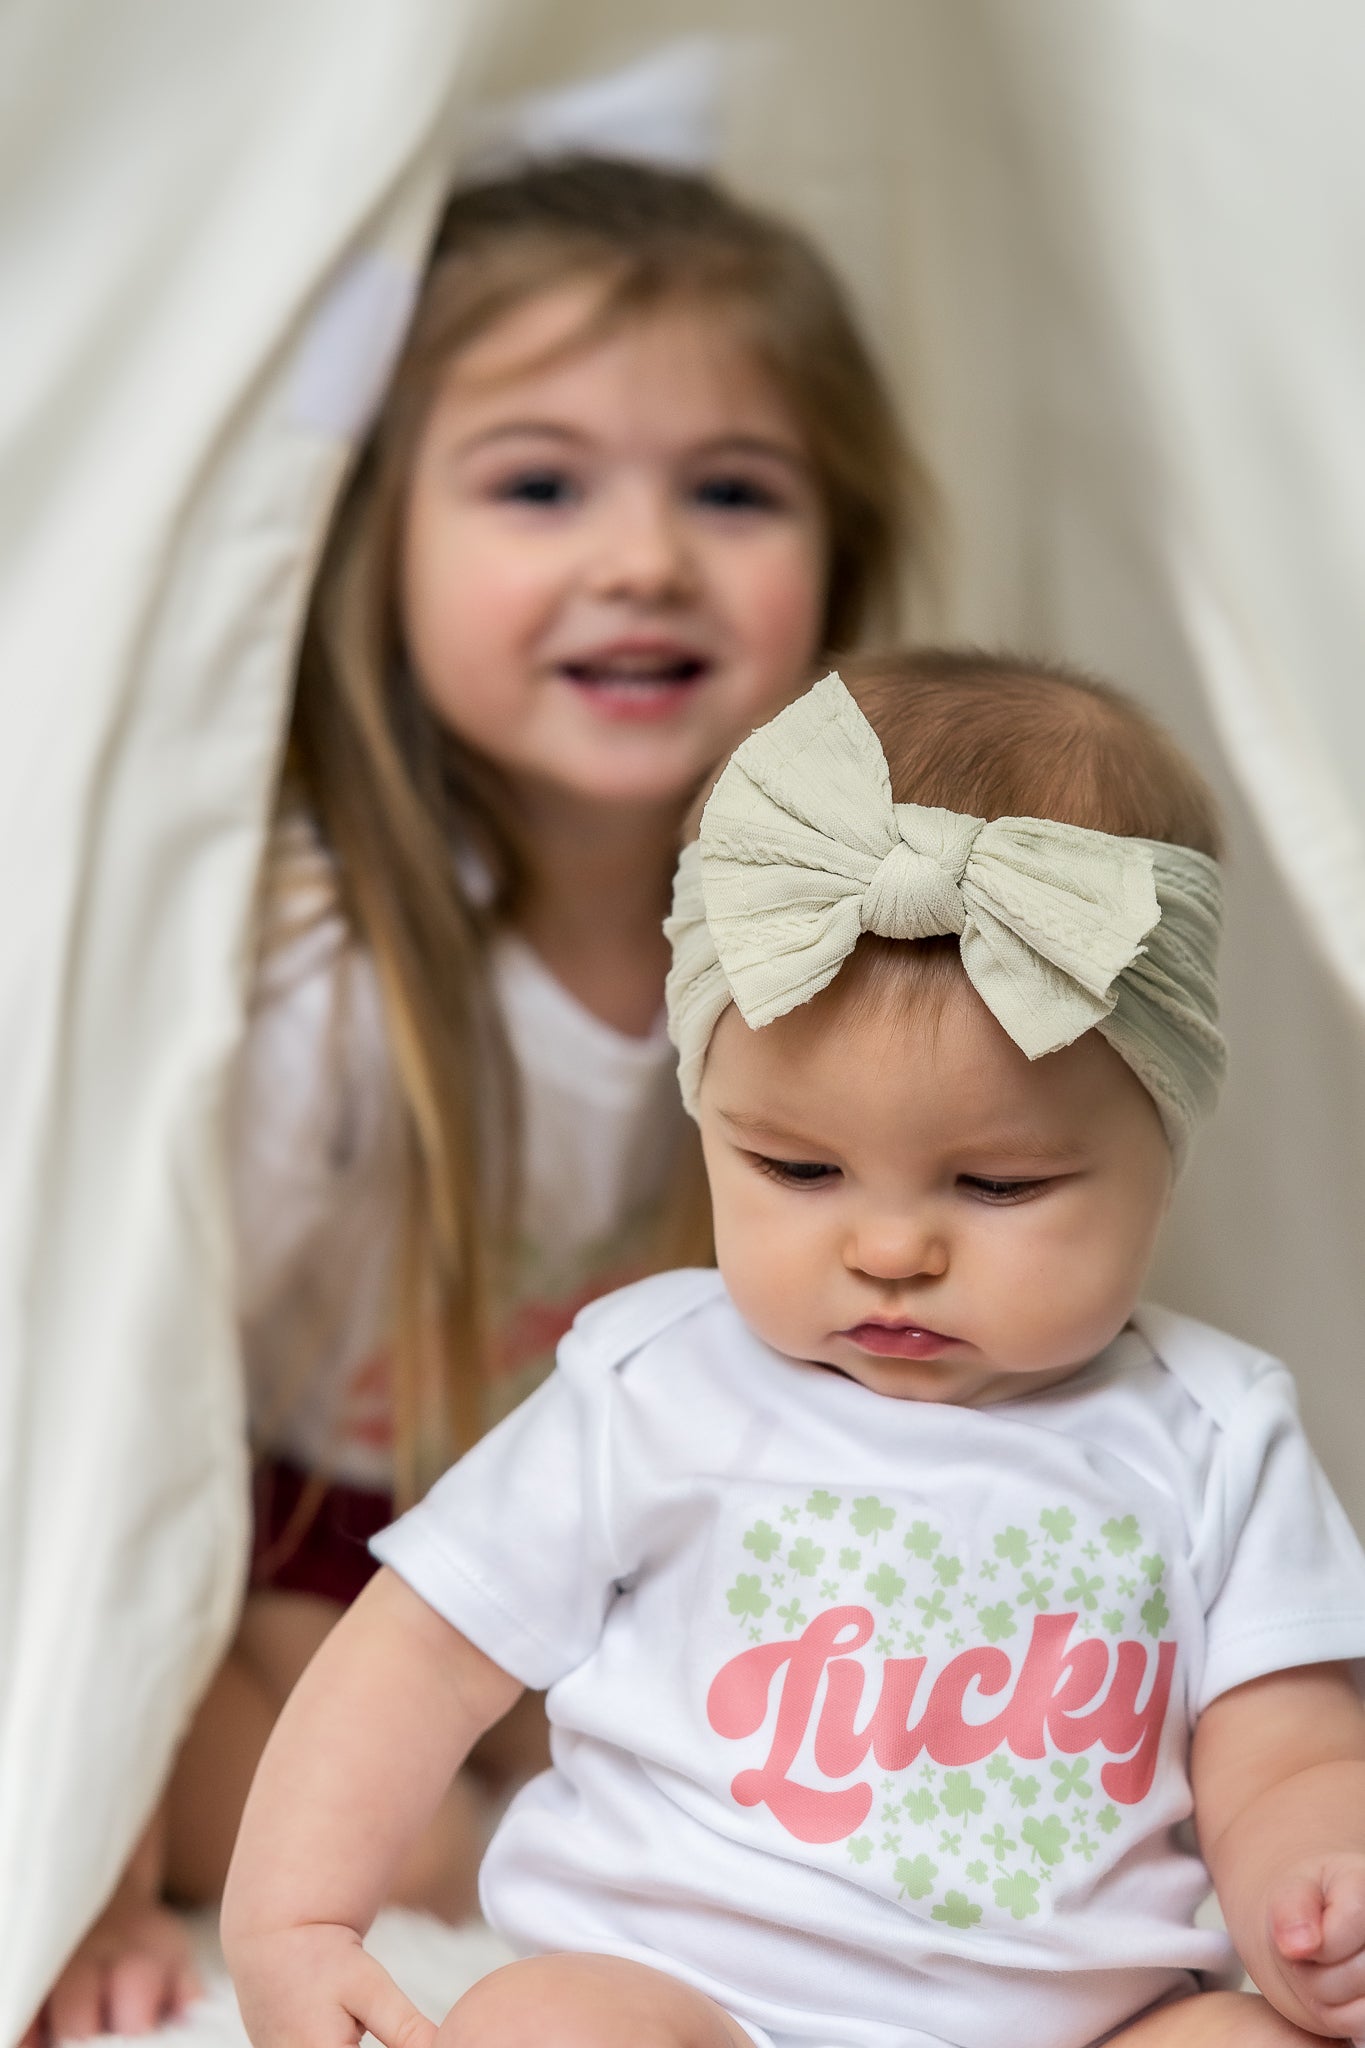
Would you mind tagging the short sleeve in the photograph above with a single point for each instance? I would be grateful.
(513, 1545)
(1283, 1571)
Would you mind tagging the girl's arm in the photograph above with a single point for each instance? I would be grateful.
(367, 1743)
(1278, 1769)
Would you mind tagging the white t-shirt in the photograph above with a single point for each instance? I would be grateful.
(317, 1161)
(864, 1708)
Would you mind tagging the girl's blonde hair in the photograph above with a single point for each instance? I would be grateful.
(392, 793)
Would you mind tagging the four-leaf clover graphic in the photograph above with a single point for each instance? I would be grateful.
(1072, 1779)
(960, 1795)
(1035, 1590)
(1155, 1613)
(915, 1876)
(805, 1557)
(932, 1610)
(1123, 1537)
(860, 1847)
(921, 1539)
(821, 1504)
(920, 1804)
(792, 1616)
(947, 1570)
(1113, 1619)
(1084, 1591)
(957, 1910)
(1013, 1545)
(1025, 1790)
(885, 1584)
(1017, 1894)
(1107, 1818)
(747, 1596)
(996, 1621)
(999, 1843)
(949, 1844)
(1058, 1523)
(849, 1560)
(869, 1517)
(1152, 1569)
(763, 1541)
(1046, 1837)
(977, 1871)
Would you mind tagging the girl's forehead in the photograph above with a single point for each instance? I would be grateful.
(568, 341)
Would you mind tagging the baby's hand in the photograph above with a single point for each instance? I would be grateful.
(134, 1969)
(315, 1987)
(1317, 1931)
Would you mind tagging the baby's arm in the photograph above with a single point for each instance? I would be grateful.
(1278, 1769)
(367, 1743)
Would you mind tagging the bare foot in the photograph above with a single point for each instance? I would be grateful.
(134, 1969)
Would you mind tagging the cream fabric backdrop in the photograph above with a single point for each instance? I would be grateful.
(1112, 255)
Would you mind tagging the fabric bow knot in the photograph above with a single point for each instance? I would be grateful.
(1061, 929)
(803, 850)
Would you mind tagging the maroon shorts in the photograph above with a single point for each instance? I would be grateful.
(311, 1534)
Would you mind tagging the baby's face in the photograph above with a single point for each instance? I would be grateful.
(899, 1194)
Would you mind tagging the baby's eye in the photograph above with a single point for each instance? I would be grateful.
(736, 494)
(535, 487)
(795, 1173)
(1000, 1191)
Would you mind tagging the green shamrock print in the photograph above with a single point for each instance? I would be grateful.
(1036, 1591)
(849, 1560)
(947, 1570)
(960, 1795)
(1085, 1592)
(829, 1589)
(1152, 1569)
(957, 1910)
(1086, 1845)
(1013, 1545)
(932, 1610)
(1000, 1769)
(955, 1639)
(1113, 1619)
(997, 1621)
(805, 1557)
(1127, 1587)
(949, 1844)
(914, 1643)
(1073, 1780)
(977, 1871)
(915, 1878)
(1024, 1791)
(891, 1843)
(869, 1517)
(1155, 1613)
(747, 1596)
(1018, 1895)
(1123, 1537)
(885, 1585)
(998, 1842)
(1057, 1523)
(884, 1646)
(860, 1848)
(822, 1505)
(921, 1539)
(789, 1514)
(1051, 1559)
(1090, 1550)
(988, 1569)
(1107, 1818)
(1046, 1838)
(763, 1541)
(792, 1617)
(921, 1806)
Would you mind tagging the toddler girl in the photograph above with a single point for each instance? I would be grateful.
(634, 471)
(904, 1588)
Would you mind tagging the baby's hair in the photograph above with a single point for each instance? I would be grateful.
(390, 791)
(1007, 736)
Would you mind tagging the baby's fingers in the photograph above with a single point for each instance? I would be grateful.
(381, 2009)
(1297, 1917)
(1343, 1920)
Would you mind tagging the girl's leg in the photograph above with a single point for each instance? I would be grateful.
(587, 2002)
(1215, 2019)
(278, 1635)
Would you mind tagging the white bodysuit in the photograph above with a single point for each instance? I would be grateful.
(872, 1718)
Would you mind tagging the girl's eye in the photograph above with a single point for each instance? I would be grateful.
(736, 494)
(535, 487)
(795, 1173)
(1001, 1191)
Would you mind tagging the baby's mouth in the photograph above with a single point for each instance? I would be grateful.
(899, 1340)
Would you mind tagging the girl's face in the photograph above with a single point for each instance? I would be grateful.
(899, 1194)
(614, 559)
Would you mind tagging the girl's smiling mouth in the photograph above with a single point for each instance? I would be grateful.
(637, 676)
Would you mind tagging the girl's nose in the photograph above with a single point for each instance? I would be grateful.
(897, 1248)
(641, 550)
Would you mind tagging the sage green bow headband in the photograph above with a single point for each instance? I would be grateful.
(1062, 929)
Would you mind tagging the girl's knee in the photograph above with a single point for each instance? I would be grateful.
(1215, 2019)
(570, 2001)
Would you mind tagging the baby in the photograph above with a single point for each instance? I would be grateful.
(903, 1589)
